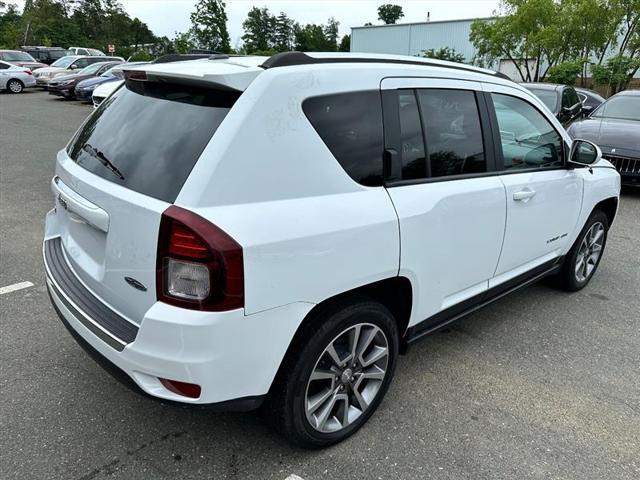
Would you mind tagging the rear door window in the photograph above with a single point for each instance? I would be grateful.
(350, 125)
(453, 132)
(148, 136)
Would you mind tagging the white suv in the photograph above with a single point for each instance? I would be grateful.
(244, 231)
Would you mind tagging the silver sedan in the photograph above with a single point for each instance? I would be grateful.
(15, 79)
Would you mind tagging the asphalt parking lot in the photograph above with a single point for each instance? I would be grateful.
(540, 385)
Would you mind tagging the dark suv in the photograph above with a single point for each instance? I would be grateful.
(562, 100)
(46, 55)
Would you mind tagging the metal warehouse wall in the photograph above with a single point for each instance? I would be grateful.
(413, 38)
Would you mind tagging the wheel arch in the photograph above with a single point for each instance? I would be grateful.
(609, 207)
(395, 293)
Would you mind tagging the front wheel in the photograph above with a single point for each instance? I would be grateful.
(336, 374)
(584, 257)
(15, 86)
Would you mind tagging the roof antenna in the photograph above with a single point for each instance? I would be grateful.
(428, 16)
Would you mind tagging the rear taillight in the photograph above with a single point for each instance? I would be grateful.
(198, 265)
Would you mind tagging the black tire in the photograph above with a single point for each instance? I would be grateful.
(15, 86)
(286, 403)
(567, 278)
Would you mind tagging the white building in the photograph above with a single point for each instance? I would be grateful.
(413, 38)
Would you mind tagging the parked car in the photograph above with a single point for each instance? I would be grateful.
(233, 231)
(590, 99)
(14, 78)
(21, 59)
(45, 55)
(65, 85)
(67, 65)
(84, 51)
(562, 100)
(615, 127)
(85, 88)
(103, 91)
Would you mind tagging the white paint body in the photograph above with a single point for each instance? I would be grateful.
(14, 72)
(307, 230)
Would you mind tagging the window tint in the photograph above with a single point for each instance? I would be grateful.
(452, 131)
(569, 97)
(528, 139)
(3, 66)
(81, 63)
(150, 136)
(350, 125)
(414, 164)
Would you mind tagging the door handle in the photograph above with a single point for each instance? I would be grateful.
(524, 195)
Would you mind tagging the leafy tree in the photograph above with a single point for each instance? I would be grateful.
(528, 30)
(345, 43)
(331, 35)
(283, 38)
(183, 42)
(10, 25)
(444, 53)
(390, 13)
(566, 73)
(209, 26)
(259, 28)
(616, 72)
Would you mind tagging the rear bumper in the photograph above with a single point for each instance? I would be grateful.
(232, 356)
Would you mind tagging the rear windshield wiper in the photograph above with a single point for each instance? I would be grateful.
(95, 153)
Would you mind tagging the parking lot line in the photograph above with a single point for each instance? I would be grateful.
(14, 287)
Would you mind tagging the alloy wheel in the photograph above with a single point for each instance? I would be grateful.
(589, 252)
(346, 378)
(15, 86)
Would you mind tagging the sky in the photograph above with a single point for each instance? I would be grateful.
(165, 17)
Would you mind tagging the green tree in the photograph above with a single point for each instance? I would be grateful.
(183, 42)
(345, 43)
(528, 34)
(444, 53)
(209, 26)
(259, 28)
(617, 72)
(284, 37)
(566, 73)
(331, 35)
(389, 13)
(10, 25)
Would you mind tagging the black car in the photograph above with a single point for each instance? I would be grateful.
(562, 100)
(615, 127)
(46, 55)
(590, 99)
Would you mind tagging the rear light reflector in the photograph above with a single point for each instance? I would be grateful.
(183, 389)
(198, 265)
(187, 279)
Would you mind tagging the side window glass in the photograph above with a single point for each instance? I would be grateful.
(3, 66)
(452, 131)
(81, 63)
(350, 125)
(528, 139)
(414, 163)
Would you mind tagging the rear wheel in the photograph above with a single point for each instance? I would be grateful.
(336, 374)
(15, 86)
(584, 257)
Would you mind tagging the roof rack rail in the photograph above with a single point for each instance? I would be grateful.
(289, 59)
(180, 57)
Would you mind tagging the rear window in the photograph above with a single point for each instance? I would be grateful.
(148, 136)
(350, 124)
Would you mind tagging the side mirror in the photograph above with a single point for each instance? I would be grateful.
(73, 67)
(586, 110)
(584, 153)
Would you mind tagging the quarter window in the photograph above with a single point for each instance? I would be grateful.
(528, 139)
(452, 131)
(350, 125)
